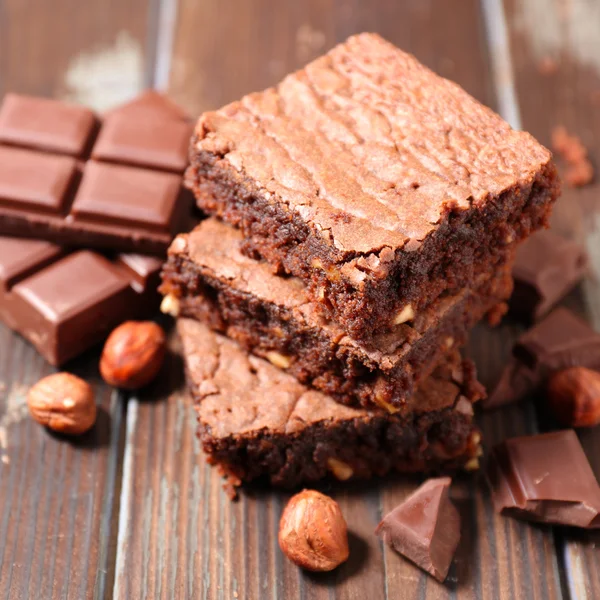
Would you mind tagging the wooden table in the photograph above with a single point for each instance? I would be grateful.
(132, 511)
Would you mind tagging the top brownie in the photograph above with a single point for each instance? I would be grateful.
(378, 182)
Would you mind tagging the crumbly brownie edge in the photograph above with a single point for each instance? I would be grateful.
(307, 352)
(465, 244)
(359, 448)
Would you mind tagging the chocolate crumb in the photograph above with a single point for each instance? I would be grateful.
(579, 171)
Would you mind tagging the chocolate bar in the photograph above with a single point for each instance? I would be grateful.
(64, 301)
(69, 177)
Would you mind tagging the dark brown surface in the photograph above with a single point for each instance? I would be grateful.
(209, 279)
(323, 173)
(127, 197)
(180, 536)
(568, 97)
(65, 302)
(189, 514)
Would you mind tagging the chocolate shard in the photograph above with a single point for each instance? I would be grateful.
(546, 268)
(516, 381)
(545, 478)
(559, 341)
(425, 528)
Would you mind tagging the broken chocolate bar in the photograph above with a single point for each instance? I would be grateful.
(425, 528)
(65, 302)
(545, 478)
(547, 267)
(560, 341)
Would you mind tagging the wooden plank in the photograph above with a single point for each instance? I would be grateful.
(556, 52)
(57, 495)
(179, 535)
(99, 53)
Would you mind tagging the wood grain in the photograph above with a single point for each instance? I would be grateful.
(58, 497)
(99, 53)
(568, 93)
(57, 494)
(179, 534)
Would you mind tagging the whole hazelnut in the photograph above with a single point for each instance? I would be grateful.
(133, 354)
(574, 397)
(313, 533)
(63, 402)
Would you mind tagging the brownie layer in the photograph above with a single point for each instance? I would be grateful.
(209, 279)
(257, 421)
(377, 182)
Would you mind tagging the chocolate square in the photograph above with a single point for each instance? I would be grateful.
(145, 142)
(46, 124)
(31, 180)
(126, 195)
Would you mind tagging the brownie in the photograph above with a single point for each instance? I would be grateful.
(379, 183)
(206, 277)
(256, 421)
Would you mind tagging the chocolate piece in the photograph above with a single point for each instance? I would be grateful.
(559, 341)
(377, 182)
(257, 421)
(47, 125)
(545, 478)
(425, 528)
(547, 267)
(65, 302)
(136, 204)
(273, 316)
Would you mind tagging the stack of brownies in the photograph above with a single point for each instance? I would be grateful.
(364, 216)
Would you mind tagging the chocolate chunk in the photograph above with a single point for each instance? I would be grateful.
(45, 124)
(545, 478)
(559, 341)
(425, 528)
(546, 268)
(65, 302)
(50, 189)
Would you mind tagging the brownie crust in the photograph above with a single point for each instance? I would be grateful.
(256, 421)
(273, 317)
(380, 187)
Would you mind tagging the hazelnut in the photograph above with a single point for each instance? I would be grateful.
(170, 305)
(279, 360)
(63, 402)
(406, 314)
(574, 397)
(341, 470)
(133, 354)
(313, 533)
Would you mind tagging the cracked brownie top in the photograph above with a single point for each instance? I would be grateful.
(370, 148)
